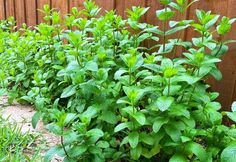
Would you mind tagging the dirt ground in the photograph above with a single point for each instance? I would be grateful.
(22, 114)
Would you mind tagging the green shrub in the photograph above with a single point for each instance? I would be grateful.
(109, 97)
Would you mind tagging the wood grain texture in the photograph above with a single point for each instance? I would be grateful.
(20, 12)
(108, 5)
(10, 8)
(61, 5)
(2, 10)
(40, 4)
(31, 15)
(76, 3)
(227, 86)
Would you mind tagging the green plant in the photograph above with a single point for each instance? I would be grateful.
(14, 144)
(110, 98)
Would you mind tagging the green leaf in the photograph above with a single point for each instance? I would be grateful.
(165, 14)
(232, 116)
(173, 132)
(103, 144)
(139, 117)
(69, 118)
(136, 152)
(186, 78)
(35, 119)
(77, 150)
(233, 107)
(158, 123)
(198, 150)
(120, 127)
(109, 117)
(164, 102)
(216, 73)
(178, 158)
(133, 138)
(91, 66)
(176, 29)
(119, 73)
(165, 2)
(147, 138)
(69, 91)
(133, 93)
(52, 152)
(212, 21)
(95, 134)
(229, 154)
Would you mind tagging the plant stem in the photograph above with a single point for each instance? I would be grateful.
(194, 87)
(203, 33)
(133, 119)
(130, 76)
(63, 146)
(77, 57)
(168, 87)
(221, 45)
(178, 38)
(164, 33)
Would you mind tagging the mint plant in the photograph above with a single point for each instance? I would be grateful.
(109, 98)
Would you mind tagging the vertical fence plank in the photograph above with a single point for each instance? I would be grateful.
(227, 86)
(31, 16)
(76, 3)
(10, 8)
(2, 9)
(105, 5)
(40, 4)
(61, 5)
(227, 66)
(151, 15)
(20, 12)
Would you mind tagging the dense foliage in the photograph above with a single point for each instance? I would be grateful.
(109, 97)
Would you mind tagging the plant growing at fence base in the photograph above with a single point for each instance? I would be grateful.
(110, 98)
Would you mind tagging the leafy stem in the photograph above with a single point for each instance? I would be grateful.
(168, 86)
(62, 143)
(164, 32)
(218, 51)
(194, 87)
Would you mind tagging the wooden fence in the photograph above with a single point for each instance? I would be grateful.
(25, 11)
